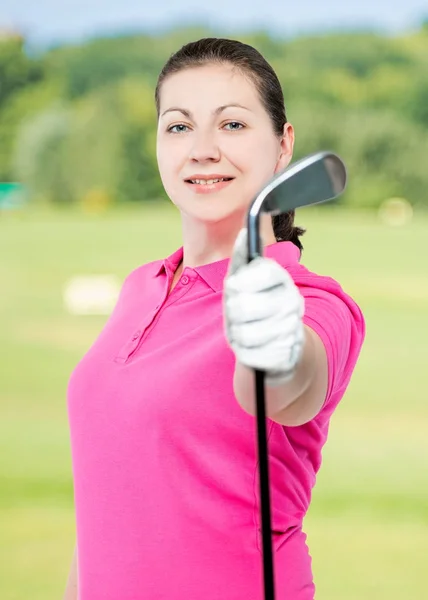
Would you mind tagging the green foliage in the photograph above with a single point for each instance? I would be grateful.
(360, 94)
(416, 104)
(356, 54)
(17, 70)
(101, 144)
(41, 160)
(138, 177)
(103, 61)
(22, 106)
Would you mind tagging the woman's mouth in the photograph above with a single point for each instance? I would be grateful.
(208, 185)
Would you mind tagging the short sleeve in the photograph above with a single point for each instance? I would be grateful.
(339, 322)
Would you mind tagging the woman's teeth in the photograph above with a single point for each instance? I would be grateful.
(207, 181)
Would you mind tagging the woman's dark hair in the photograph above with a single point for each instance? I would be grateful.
(251, 63)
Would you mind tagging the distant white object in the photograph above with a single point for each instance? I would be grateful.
(396, 212)
(91, 294)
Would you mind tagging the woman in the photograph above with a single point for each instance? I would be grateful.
(162, 409)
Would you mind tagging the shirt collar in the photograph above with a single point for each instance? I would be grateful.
(285, 253)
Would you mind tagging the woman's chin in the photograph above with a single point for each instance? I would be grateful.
(214, 213)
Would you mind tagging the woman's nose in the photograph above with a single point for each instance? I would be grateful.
(204, 149)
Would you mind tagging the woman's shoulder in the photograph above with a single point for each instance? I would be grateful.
(138, 279)
(308, 280)
(143, 272)
(326, 297)
(289, 257)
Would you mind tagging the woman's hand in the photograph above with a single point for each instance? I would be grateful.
(263, 311)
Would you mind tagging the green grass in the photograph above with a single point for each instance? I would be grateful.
(368, 523)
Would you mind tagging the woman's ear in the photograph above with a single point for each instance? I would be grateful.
(286, 148)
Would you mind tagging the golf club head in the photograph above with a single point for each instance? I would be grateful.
(314, 179)
(317, 178)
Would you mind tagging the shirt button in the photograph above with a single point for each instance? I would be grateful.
(185, 280)
(136, 335)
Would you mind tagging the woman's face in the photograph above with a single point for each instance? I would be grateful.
(212, 125)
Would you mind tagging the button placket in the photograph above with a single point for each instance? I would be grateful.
(134, 341)
(184, 285)
(137, 338)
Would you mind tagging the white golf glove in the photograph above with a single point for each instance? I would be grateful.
(263, 311)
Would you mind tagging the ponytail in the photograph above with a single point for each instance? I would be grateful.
(285, 230)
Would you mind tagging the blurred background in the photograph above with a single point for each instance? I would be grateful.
(81, 205)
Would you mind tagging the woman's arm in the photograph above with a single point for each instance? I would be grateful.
(72, 587)
(296, 401)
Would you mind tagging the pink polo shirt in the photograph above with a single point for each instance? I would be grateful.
(164, 458)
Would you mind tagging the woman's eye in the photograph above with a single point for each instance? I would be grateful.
(234, 125)
(177, 128)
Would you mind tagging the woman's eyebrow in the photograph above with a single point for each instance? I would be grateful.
(217, 111)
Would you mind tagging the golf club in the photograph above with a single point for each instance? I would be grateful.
(317, 178)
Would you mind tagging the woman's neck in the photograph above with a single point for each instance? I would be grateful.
(204, 244)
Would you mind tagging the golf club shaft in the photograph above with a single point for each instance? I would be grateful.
(254, 250)
(264, 487)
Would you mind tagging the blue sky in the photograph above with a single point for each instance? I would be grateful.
(49, 21)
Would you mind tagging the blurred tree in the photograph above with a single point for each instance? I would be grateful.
(357, 53)
(23, 105)
(16, 68)
(105, 146)
(93, 145)
(415, 103)
(138, 173)
(112, 144)
(41, 160)
(101, 62)
(384, 155)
